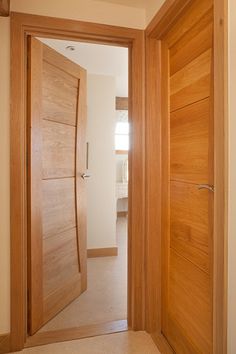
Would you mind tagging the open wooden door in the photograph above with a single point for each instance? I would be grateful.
(188, 181)
(57, 192)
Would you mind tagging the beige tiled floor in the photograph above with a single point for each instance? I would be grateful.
(106, 297)
(120, 343)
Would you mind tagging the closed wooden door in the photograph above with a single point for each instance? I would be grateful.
(187, 221)
(56, 189)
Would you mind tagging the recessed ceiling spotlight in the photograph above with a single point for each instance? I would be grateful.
(70, 47)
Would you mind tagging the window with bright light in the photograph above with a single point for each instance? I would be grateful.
(122, 136)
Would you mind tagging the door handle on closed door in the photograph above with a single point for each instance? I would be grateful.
(85, 175)
(206, 186)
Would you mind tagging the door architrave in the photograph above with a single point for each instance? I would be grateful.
(22, 26)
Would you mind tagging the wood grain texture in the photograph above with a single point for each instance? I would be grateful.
(221, 176)
(44, 338)
(102, 252)
(80, 183)
(190, 64)
(187, 239)
(60, 260)
(165, 186)
(122, 103)
(156, 128)
(136, 187)
(58, 206)
(62, 297)
(195, 42)
(4, 343)
(198, 10)
(35, 264)
(197, 29)
(189, 229)
(18, 188)
(153, 189)
(197, 91)
(59, 95)
(77, 30)
(22, 25)
(57, 251)
(201, 89)
(67, 68)
(161, 343)
(194, 71)
(188, 321)
(64, 198)
(189, 143)
(58, 155)
(187, 254)
(4, 8)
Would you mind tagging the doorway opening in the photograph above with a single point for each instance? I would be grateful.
(78, 143)
(25, 26)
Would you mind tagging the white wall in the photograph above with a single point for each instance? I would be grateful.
(85, 10)
(232, 181)
(102, 163)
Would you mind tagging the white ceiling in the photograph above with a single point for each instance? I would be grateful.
(133, 3)
(97, 59)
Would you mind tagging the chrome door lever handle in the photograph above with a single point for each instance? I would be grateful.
(85, 175)
(206, 186)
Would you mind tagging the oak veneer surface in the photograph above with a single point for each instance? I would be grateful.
(4, 343)
(61, 269)
(58, 156)
(4, 8)
(58, 206)
(187, 307)
(58, 247)
(102, 252)
(189, 223)
(60, 91)
(189, 143)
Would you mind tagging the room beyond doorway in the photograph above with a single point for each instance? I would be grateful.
(75, 168)
(27, 25)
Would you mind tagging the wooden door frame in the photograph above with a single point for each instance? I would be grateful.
(155, 115)
(23, 25)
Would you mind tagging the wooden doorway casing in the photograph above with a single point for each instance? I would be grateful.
(22, 26)
(155, 139)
